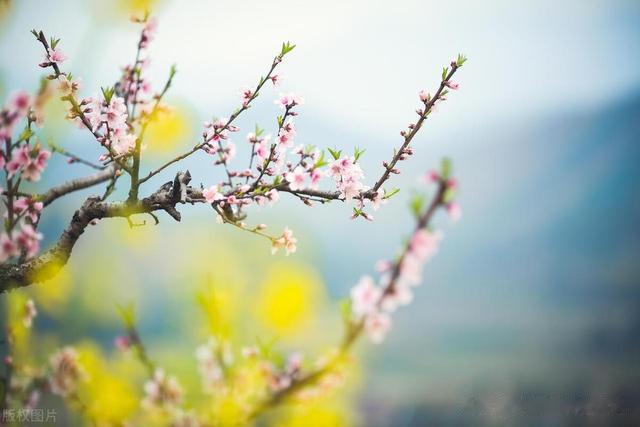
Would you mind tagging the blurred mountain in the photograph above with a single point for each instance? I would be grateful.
(537, 294)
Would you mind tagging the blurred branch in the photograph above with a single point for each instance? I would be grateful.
(354, 329)
(78, 184)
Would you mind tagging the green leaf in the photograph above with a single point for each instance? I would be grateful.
(335, 153)
(417, 204)
(321, 161)
(357, 153)
(445, 168)
(108, 93)
(280, 121)
(286, 48)
(449, 195)
(345, 309)
(390, 194)
(258, 132)
(128, 314)
(461, 60)
(26, 134)
(445, 71)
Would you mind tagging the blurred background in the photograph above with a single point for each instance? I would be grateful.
(530, 314)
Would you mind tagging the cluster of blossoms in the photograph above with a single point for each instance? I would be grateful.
(374, 304)
(371, 303)
(53, 56)
(348, 175)
(212, 359)
(162, 391)
(215, 133)
(110, 116)
(21, 161)
(280, 379)
(66, 372)
(133, 83)
(27, 161)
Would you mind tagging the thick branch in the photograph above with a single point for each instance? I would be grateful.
(78, 184)
(47, 265)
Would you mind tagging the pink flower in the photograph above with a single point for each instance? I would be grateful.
(286, 241)
(36, 165)
(288, 100)
(116, 114)
(364, 296)
(19, 159)
(424, 244)
(276, 79)
(8, 248)
(273, 195)
(262, 149)
(383, 265)
(212, 194)
(377, 325)
(454, 211)
(29, 240)
(123, 142)
(66, 86)
(452, 85)
(400, 295)
(93, 112)
(452, 183)
(316, 175)
(55, 56)
(378, 200)
(66, 371)
(28, 207)
(20, 102)
(162, 391)
(347, 175)
(424, 96)
(122, 343)
(296, 178)
(246, 95)
(29, 312)
(286, 134)
(432, 176)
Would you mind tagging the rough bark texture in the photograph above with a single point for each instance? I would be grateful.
(47, 265)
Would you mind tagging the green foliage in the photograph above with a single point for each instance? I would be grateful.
(335, 153)
(108, 93)
(417, 204)
(390, 194)
(128, 314)
(286, 48)
(445, 168)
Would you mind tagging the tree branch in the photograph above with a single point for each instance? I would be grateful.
(47, 265)
(78, 184)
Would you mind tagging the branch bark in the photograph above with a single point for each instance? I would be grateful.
(78, 184)
(47, 265)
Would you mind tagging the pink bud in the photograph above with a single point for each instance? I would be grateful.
(122, 343)
(8, 360)
(452, 85)
(454, 211)
(452, 183)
